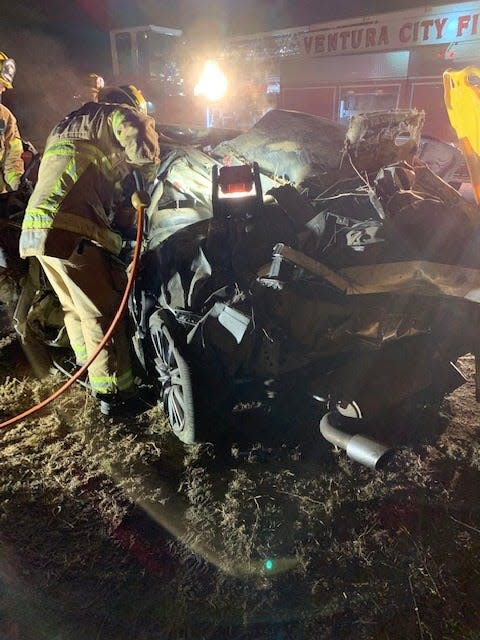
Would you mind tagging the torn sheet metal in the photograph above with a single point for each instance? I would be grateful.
(427, 278)
(288, 144)
(374, 140)
(233, 320)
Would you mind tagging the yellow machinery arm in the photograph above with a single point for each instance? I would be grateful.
(462, 99)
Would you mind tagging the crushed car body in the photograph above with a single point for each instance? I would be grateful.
(298, 262)
(303, 259)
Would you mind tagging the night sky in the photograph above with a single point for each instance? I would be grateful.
(83, 25)
(57, 42)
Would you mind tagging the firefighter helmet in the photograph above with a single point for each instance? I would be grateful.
(125, 94)
(7, 70)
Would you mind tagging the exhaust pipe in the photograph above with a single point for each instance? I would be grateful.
(360, 448)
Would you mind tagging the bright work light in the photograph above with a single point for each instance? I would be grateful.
(212, 83)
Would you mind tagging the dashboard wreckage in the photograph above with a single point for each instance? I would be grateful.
(306, 260)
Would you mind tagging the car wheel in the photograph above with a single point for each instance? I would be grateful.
(175, 379)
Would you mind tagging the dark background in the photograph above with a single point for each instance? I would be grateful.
(57, 42)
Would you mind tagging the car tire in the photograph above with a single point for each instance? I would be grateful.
(175, 380)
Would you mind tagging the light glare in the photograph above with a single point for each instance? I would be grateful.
(212, 83)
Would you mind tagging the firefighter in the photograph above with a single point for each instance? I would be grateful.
(11, 147)
(95, 84)
(69, 224)
(11, 170)
(92, 84)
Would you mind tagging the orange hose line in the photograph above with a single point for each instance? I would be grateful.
(106, 338)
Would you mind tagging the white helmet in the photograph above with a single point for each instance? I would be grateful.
(7, 70)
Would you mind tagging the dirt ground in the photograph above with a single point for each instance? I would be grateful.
(119, 532)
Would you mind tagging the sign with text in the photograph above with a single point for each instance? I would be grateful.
(383, 34)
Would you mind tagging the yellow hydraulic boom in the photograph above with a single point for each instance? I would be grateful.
(462, 99)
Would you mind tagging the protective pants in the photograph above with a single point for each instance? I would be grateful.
(90, 285)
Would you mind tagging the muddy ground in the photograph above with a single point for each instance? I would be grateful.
(119, 532)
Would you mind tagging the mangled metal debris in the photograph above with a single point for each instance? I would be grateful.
(351, 274)
(374, 140)
(304, 259)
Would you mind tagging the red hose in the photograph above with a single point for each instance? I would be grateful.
(136, 256)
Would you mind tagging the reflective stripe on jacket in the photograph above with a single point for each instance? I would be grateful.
(11, 149)
(86, 156)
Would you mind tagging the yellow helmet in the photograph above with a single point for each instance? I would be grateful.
(126, 94)
(7, 70)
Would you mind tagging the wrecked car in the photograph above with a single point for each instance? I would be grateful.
(302, 259)
(298, 262)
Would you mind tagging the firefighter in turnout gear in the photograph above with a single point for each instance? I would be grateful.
(69, 225)
(11, 146)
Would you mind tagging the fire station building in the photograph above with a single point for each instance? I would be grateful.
(386, 61)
